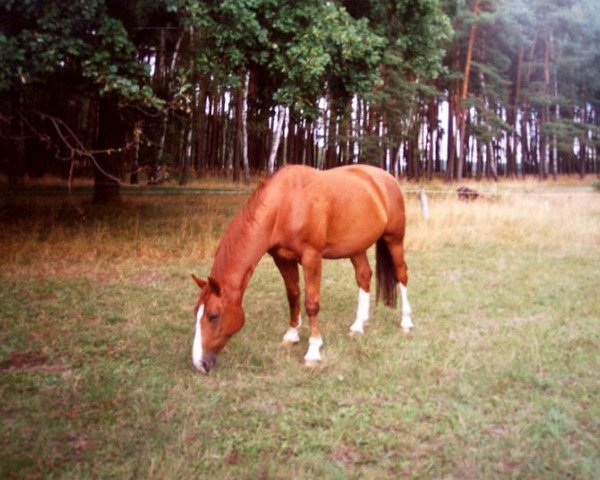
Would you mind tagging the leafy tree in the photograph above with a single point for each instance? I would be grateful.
(208, 86)
(415, 34)
(74, 49)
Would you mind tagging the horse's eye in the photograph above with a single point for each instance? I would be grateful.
(213, 317)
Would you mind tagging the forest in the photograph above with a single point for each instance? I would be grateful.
(150, 90)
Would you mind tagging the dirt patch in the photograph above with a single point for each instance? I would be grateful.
(30, 361)
(79, 445)
(347, 456)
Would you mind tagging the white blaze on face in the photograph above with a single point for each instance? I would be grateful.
(197, 345)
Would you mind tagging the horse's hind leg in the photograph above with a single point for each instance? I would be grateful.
(401, 273)
(363, 274)
(291, 278)
(406, 322)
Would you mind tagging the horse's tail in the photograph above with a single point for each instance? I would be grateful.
(385, 273)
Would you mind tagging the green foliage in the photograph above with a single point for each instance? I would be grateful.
(77, 42)
(421, 36)
(399, 57)
(335, 51)
(303, 47)
(417, 32)
(415, 36)
(12, 57)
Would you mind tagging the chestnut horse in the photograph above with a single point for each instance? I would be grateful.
(302, 216)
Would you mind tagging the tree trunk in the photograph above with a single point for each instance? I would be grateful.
(463, 95)
(479, 155)
(239, 135)
(545, 113)
(330, 119)
(111, 138)
(492, 161)
(432, 130)
(346, 132)
(135, 161)
(245, 159)
(191, 121)
(277, 130)
(187, 153)
(372, 154)
(511, 154)
(451, 149)
(289, 141)
(582, 157)
(200, 163)
(16, 157)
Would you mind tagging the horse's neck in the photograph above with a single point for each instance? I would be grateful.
(241, 248)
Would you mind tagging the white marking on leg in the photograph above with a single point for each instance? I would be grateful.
(292, 335)
(314, 350)
(406, 323)
(362, 312)
(197, 345)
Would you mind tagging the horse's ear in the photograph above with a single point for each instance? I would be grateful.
(201, 283)
(214, 286)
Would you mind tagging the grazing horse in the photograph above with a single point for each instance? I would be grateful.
(466, 194)
(302, 216)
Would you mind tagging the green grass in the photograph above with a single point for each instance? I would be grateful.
(499, 380)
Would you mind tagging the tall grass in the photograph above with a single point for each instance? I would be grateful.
(499, 379)
(556, 224)
(144, 230)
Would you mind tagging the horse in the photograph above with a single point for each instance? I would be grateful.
(301, 216)
(466, 194)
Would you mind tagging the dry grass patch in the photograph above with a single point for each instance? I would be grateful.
(557, 224)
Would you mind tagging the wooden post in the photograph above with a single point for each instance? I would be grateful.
(424, 204)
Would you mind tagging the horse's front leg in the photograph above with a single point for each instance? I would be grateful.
(312, 265)
(291, 278)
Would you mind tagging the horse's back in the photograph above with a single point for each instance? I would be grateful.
(364, 176)
(341, 211)
(383, 195)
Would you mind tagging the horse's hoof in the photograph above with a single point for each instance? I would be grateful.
(407, 330)
(291, 337)
(312, 363)
(354, 333)
(288, 343)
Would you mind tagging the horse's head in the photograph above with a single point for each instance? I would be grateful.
(219, 315)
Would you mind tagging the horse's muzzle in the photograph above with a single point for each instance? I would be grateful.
(207, 362)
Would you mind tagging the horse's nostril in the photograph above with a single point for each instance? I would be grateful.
(210, 361)
(206, 364)
(205, 367)
(201, 366)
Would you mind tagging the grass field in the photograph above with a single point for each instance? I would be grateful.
(499, 380)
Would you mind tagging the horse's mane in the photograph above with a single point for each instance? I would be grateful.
(238, 229)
